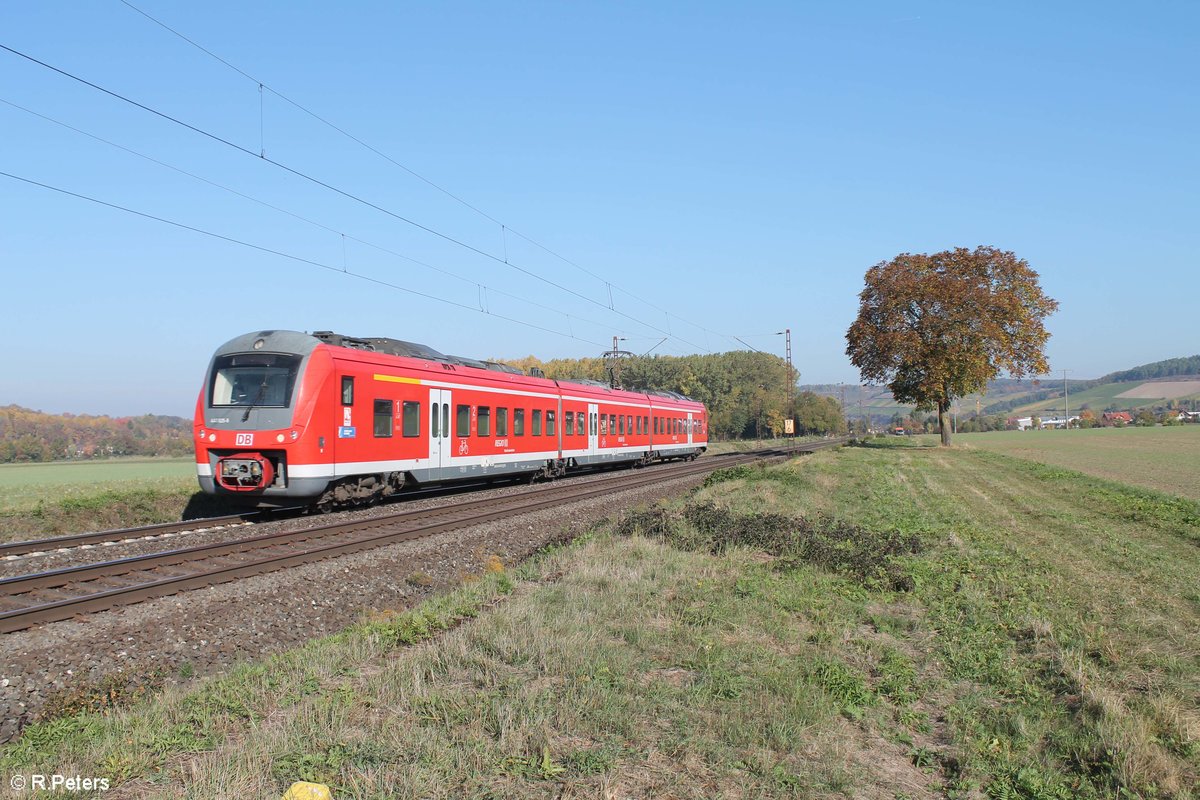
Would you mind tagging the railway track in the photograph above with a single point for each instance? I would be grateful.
(33, 599)
(10, 550)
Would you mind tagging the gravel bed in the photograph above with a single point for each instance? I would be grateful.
(205, 631)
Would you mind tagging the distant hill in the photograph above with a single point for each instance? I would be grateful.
(876, 402)
(1171, 368)
(27, 435)
(1045, 396)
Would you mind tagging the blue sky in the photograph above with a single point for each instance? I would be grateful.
(729, 169)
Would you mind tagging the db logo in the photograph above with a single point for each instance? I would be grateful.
(245, 439)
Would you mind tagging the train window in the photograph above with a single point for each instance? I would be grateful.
(603, 425)
(462, 421)
(612, 424)
(646, 425)
(568, 423)
(445, 420)
(550, 423)
(629, 424)
(537, 422)
(383, 418)
(502, 421)
(579, 423)
(621, 424)
(347, 390)
(593, 424)
(253, 379)
(483, 426)
(433, 420)
(411, 419)
(518, 422)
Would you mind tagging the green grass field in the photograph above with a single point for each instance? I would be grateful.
(23, 486)
(38, 500)
(1166, 459)
(888, 621)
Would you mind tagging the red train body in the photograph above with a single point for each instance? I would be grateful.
(288, 418)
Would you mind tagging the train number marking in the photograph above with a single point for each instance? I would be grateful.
(245, 439)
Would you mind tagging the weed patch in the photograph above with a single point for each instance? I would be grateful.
(875, 560)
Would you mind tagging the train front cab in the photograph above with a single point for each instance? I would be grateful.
(248, 432)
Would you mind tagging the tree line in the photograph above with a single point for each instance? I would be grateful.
(27, 435)
(745, 392)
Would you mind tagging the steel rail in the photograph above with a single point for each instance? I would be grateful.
(119, 535)
(460, 514)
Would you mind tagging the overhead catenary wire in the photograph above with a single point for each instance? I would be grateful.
(343, 236)
(323, 120)
(291, 256)
(349, 195)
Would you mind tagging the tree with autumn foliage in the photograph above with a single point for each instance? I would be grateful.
(935, 327)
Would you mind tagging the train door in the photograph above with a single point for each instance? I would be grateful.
(439, 429)
(593, 430)
(689, 427)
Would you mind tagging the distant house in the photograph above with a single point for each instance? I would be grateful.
(1117, 418)
(1020, 423)
(1058, 422)
(1189, 416)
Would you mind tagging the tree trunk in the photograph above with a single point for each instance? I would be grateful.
(944, 421)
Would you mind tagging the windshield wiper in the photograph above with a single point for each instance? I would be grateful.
(262, 390)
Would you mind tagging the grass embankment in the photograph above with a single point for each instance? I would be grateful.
(1165, 459)
(67, 497)
(972, 623)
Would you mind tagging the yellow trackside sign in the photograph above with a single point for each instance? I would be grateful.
(303, 790)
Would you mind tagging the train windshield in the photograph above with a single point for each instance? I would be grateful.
(254, 379)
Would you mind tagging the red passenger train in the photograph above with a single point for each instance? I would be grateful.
(289, 418)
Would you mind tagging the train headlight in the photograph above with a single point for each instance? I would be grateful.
(212, 437)
(279, 438)
(202, 433)
(295, 435)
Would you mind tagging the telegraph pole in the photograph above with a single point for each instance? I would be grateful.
(842, 397)
(789, 424)
(613, 358)
(1066, 404)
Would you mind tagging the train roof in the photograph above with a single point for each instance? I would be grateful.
(399, 347)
